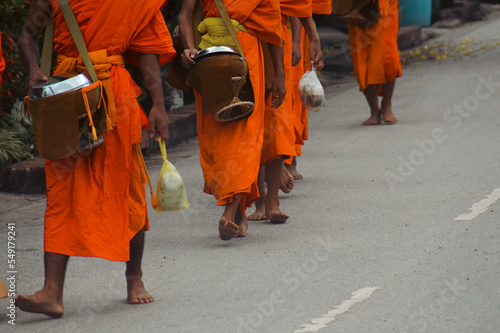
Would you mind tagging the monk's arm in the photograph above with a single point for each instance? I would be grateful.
(186, 32)
(279, 89)
(296, 39)
(149, 65)
(314, 47)
(36, 20)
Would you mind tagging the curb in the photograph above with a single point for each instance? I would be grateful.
(28, 177)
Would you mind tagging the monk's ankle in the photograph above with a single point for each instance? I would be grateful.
(133, 276)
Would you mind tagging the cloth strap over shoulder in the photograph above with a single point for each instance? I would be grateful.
(230, 28)
(74, 29)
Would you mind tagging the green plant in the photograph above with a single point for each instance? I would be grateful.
(12, 147)
(21, 122)
(17, 139)
(12, 13)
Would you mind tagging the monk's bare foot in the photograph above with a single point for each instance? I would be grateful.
(286, 182)
(388, 117)
(242, 223)
(136, 293)
(292, 170)
(258, 215)
(277, 216)
(41, 302)
(227, 229)
(375, 119)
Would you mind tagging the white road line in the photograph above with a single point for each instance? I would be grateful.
(480, 207)
(323, 321)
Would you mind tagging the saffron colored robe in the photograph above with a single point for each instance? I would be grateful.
(230, 152)
(279, 124)
(96, 200)
(374, 50)
(322, 7)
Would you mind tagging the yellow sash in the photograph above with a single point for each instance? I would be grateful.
(214, 32)
(102, 65)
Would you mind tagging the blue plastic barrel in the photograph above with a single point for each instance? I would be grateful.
(416, 12)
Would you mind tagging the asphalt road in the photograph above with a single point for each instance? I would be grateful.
(383, 236)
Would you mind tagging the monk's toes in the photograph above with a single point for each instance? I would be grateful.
(141, 300)
(257, 217)
(390, 120)
(227, 229)
(285, 189)
(278, 217)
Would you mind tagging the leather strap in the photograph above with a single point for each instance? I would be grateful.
(69, 17)
(74, 29)
(230, 28)
(227, 21)
(46, 57)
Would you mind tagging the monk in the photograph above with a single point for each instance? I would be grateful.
(302, 41)
(375, 58)
(96, 201)
(279, 135)
(230, 152)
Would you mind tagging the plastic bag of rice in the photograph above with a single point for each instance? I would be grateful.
(311, 91)
(170, 189)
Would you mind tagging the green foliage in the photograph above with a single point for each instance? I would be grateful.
(16, 135)
(12, 147)
(12, 13)
(20, 121)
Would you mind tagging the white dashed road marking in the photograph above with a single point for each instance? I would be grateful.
(323, 321)
(480, 207)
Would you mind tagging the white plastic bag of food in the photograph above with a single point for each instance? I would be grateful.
(170, 189)
(311, 91)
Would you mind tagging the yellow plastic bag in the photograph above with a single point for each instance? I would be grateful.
(170, 189)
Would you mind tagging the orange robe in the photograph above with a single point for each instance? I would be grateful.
(374, 51)
(96, 201)
(2, 60)
(230, 152)
(279, 127)
(322, 7)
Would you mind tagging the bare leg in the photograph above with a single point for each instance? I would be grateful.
(228, 229)
(260, 207)
(273, 178)
(292, 169)
(372, 99)
(49, 300)
(136, 293)
(386, 110)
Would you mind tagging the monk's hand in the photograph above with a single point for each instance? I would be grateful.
(35, 78)
(296, 54)
(279, 90)
(316, 55)
(158, 123)
(187, 57)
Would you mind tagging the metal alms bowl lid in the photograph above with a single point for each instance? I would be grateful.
(214, 51)
(60, 87)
